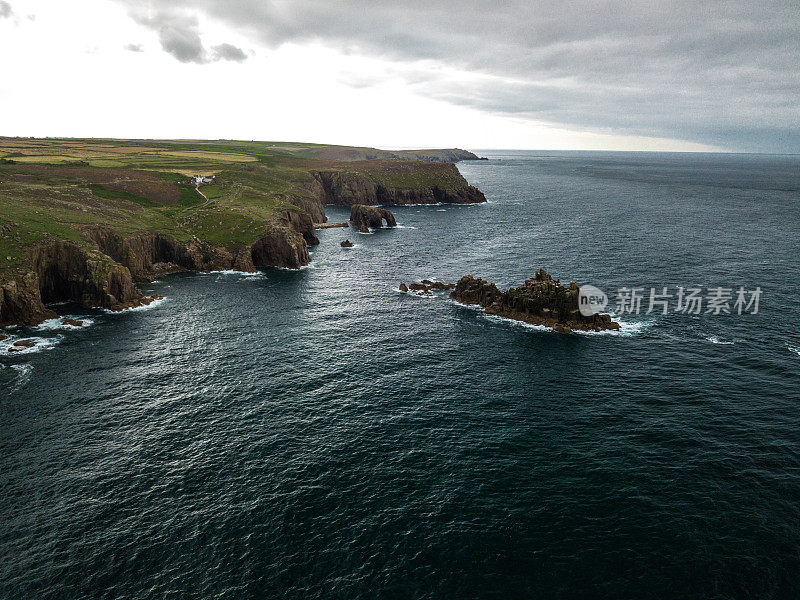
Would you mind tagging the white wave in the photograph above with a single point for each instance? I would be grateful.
(794, 349)
(41, 343)
(58, 323)
(441, 210)
(310, 265)
(404, 227)
(515, 323)
(626, 328)
(23, 377)
(232, 272)
(372, 230)
(143, 307)
(715, 340)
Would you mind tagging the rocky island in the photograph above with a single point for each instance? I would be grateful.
(86, 220)
(364, 218)
(541, 300)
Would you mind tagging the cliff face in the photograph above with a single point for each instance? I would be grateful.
(62, 271)
(104, 276)
(348, 188)
(21, 302)
(365, 217)
(542, 300)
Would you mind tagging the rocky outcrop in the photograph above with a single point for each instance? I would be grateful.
(363, 217)
(542, 300)
(347, 188)
(347, 244)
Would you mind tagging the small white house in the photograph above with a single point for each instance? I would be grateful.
(198, 179)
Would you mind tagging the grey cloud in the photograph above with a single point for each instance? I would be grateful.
(722, 72)
(134, 48)
(183, 43)
(178, 32)
(229, 52)
(5, 10)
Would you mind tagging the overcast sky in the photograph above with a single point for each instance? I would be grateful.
(631, 75)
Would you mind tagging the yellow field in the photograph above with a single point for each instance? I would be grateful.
(218, 156)
(106, 155)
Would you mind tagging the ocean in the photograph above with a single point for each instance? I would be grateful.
(318, 434)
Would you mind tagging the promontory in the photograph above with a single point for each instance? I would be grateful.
(84, 220)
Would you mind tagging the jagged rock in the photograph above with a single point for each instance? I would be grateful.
(542, 300)
(72, 322)
(403, 287)
(3, 337)
(364, 217)
(426, 286)
(347, 244)
(25, 343)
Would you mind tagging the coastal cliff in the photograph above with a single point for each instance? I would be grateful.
(396, 184)
(103, 272)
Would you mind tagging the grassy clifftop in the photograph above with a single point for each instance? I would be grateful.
(61, 188)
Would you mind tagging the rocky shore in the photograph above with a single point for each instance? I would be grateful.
(541, 300)
(103, 271)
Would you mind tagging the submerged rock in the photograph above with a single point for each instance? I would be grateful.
(364, 217)
(72, 322)
(541, 300)
(403, 288)
(330, 225)
(347, 244)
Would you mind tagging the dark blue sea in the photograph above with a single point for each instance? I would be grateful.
(317, 434)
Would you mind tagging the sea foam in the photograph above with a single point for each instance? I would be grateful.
(143, 307)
